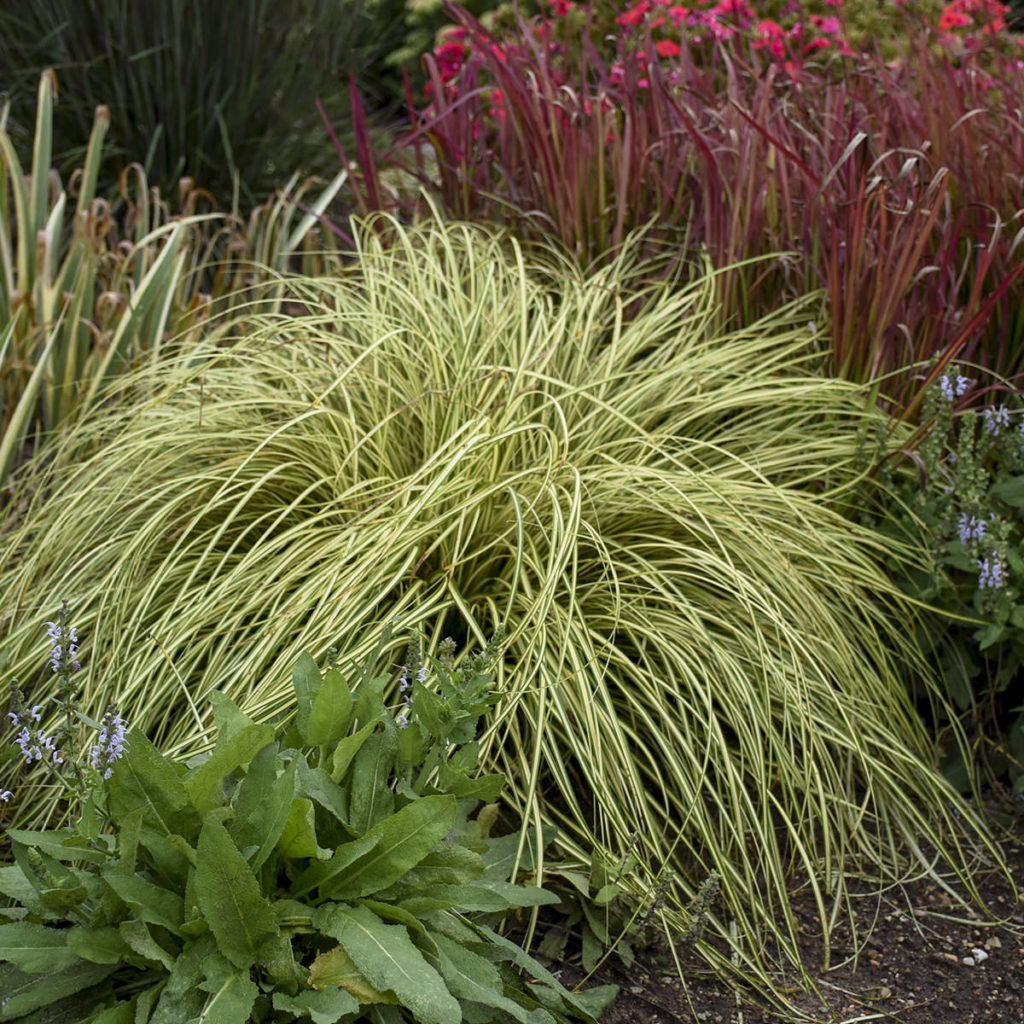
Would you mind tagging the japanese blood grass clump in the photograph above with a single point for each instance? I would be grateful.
(706, 651)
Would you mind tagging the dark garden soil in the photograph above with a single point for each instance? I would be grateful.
(917, 967)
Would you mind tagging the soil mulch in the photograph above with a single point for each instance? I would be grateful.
(917, 967)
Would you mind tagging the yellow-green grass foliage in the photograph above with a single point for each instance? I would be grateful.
(703, 650)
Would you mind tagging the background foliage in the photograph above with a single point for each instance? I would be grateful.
(197, 89)
(895, 188)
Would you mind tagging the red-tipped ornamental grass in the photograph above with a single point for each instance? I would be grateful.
(897, 187)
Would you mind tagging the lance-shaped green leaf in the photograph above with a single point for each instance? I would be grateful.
(128, 843)
(322, 873)
(335, 969)
(120, 1013)
(262, 805)
(372, 800)
(278, 964)
(233, 750)
(181, 998)
(232, 993)
(487, 898)
(60, 888)
(331, 712)
(316, 784)
(448, 864)
(14, 884)
(146, 779)
(35, 948)
(229, 897)
(469, 976)
(306, 681)
(405, 839)
(347, 749)
(370, 698)
(153, 903)
(227, 715)
(487, 787)
(325, 1007)
(385, 955)
(62, 844)
(399, 915)
(137, 935)
(24, 993)
(170, 856)
(511, 852)
(298, 839)
(250, 800)
(525, 962)
(103, 945)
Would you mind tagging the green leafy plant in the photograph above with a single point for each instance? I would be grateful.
(328, 868)
(966, 489)
(601, 909)
(708, 652)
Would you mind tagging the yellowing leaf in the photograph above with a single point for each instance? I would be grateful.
(335, 969)
(386, 956)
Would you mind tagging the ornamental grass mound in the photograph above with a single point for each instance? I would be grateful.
(707, 655)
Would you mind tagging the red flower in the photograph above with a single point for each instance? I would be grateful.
(560, 8)
(451, 49)
(667, 48)
(830, 26)
(450, 56)
(769, 29)
(771, 34)
(678, 14)
(953, 17)
(635, 15)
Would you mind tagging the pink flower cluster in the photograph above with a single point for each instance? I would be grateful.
(796, 37)
(984, 16)
(790, 41)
